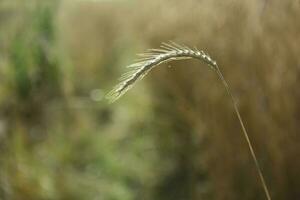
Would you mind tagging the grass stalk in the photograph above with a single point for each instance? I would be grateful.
(170, 52)
(245, 133)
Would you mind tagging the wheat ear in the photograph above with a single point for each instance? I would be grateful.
(173, 51)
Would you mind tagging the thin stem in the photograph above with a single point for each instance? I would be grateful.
(262, 179)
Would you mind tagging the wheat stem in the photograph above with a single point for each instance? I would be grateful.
(258, 168)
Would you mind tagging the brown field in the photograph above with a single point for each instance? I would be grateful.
(174, 136)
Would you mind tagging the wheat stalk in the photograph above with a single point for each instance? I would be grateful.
(173, 51)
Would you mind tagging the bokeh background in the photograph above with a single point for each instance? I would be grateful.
(174, 136)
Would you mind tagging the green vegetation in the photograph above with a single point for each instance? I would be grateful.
(175, 136)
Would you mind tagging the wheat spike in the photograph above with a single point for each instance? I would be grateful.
(154, 57)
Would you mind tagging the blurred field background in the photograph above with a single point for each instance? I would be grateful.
(175, 135)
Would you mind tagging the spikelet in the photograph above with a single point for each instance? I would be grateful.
(152, 58)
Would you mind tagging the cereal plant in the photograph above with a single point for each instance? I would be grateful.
(173, 51)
